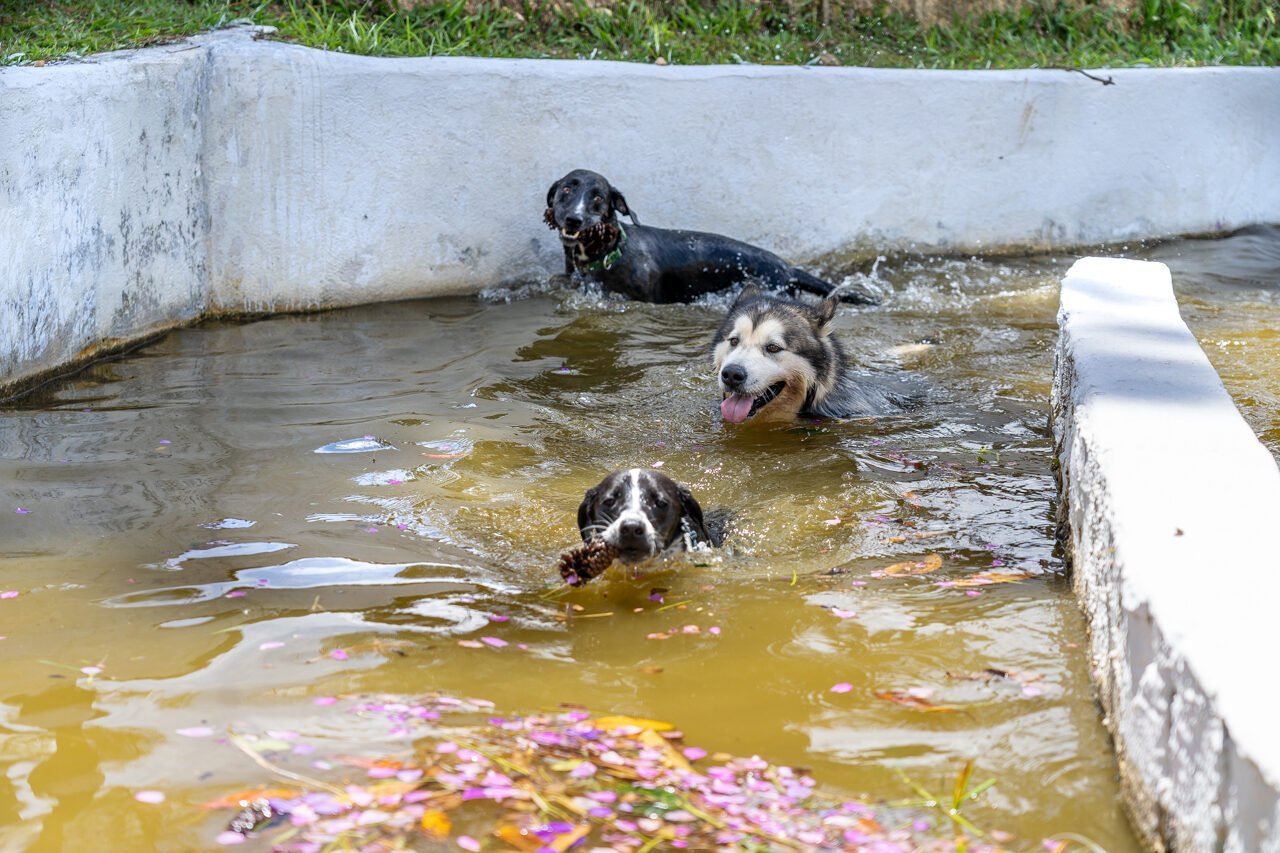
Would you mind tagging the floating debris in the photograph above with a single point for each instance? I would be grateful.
(364, 444)
(560, 780)
(447, 448)
(987, 579)
(929, 564)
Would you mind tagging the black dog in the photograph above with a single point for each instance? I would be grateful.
(641, 513)
(656, 264)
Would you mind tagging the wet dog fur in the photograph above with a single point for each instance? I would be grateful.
(642, 513)
(656, 264)
(776, 360)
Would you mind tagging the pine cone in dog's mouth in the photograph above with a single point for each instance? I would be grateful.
(589, 560)
(598, 240)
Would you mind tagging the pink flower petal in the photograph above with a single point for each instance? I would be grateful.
(714, 629)
(339, 654)
(693, 753)
(21, 511)
(842, 687)
(91, 670)
(236, 593)
(196, 731)
(471, 644)
(229, 838)
(842, 614)
(466, 842)
(272, 644)
(9, 593)
(496, 642)
(325, 700)
(150, 797)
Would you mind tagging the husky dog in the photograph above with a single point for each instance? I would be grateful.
(658, 264)
(642, 512)
(777, 360)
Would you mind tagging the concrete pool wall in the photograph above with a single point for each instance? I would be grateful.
(230, 174)
(146, 189)
(1171, 514)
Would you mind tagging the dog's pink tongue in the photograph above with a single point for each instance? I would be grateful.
(736, 408)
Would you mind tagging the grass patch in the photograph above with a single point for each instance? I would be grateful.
(1049, 34)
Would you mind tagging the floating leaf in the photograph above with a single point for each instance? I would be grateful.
(435, 824)
(619, 721)
(914, 701)
(928, 564)
(239, 798)
(988, 578)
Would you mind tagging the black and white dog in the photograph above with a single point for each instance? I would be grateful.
(656, 264)
(777, 360)
(641, 513)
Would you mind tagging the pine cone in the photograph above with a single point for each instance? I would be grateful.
(581, 564)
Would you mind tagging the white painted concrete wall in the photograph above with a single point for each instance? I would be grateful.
(1173, 508)
(230, 174)
(103, 229)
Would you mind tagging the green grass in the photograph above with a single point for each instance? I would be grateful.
(1050, 34)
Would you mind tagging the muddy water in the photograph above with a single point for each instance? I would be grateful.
(1229, 295)
(183, 556)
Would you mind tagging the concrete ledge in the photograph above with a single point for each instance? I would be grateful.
(231, 174)
(1171, 513)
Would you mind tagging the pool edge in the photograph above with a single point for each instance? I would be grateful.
(1159, 477)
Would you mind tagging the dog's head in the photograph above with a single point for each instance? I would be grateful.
(771, 355)
(640, 512)
(583, 208)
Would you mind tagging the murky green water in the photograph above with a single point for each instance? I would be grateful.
(167, 518)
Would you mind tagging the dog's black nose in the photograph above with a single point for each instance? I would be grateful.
(733, 375)
(631, 531)
(573, 223)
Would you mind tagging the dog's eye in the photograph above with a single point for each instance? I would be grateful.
(733, 342)
(773, 349)
(610, 500)
(660, 502)
(565, 190)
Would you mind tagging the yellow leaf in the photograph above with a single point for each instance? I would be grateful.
(518, 838)
(931, 563)
(988, 578)
(619, 721)
(436, 824)
(670, 757)
(238, 799)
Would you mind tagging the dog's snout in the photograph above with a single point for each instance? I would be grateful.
(631, 530)
(573, 223)
(733, 375)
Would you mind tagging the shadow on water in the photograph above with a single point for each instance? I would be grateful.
(181, 532)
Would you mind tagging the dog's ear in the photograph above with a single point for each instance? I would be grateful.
(693, 511)
(825, 310)
(584, 513)
(749, 292)
(551, 193)
(619, 203)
